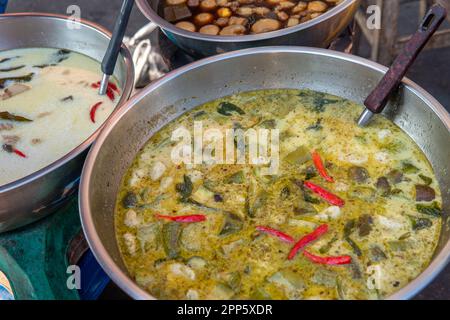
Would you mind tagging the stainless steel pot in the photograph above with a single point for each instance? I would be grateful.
(417, 113)
(35, 196)
(318, 32)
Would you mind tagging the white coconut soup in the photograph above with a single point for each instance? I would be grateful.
(49, 104)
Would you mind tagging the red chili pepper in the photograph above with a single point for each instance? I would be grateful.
(320, 167)
(113, 87)
(332, 261)
(110, 94)
(280, 235)
(19, 153)
(187, 219)
(93, 110)
(307, 240)
(327, 195)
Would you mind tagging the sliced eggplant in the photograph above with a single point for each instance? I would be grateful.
(425, 193)
(358, 174)
(384, 186)
(232, 224)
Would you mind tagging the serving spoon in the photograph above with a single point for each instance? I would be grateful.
(379, 97)
(110, 58)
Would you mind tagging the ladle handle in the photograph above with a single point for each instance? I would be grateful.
(110, 58)
(379, 97)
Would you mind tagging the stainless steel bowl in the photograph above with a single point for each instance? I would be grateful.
(418, 114)
(318, 32)
(35, 196)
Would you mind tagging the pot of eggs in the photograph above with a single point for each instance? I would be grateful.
(208, 27)
(50, 111)
(325, 210)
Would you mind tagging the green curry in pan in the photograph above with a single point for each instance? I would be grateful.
(351, 213)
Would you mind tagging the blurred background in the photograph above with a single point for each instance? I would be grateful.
(431, 70)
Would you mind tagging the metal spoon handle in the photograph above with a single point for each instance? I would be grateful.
(379, 97)
(110, 58)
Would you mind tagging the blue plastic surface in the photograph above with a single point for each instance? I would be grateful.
(93, 278)
(3, 4)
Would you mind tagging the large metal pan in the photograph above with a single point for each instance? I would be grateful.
(318, 32)
(417, 113)
(35, 196)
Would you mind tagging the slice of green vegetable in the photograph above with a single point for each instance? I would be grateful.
(8, 59)
(285, 193)
(130, 200)
(25, 78)
(358, 174)
(234, 280)
(149, 236)
(364, 193)
(340, 289)
(421, 223)
(409, 168)
(288, 279)
(258, 203)
(405, 236)
(365, 225)
(376, 254)
(299, 156)
(324, 277)
(316, 127)
(227, 109)
(399, 245)
(295, 279)
(235, 178)
(354, 245)
(203, 195)
(260, 294)
(185, 188)
(316, 101)
(268, 124)
(221, 292)
(432, 210)
(199, 114)
(5, 115)
(12, 68)
(324, 249)
(171, 233)
(309, 198)
(425, 179)
(310, 173)
(348, 228)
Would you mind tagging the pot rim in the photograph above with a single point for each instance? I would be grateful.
(153, 16)
(88, 225)
(126, 92)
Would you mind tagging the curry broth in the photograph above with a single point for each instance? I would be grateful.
(46, 103)
(379, 172)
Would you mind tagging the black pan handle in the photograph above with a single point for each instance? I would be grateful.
(110, 58)
(379, 97)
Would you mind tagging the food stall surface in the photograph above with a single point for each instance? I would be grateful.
(428, 65)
